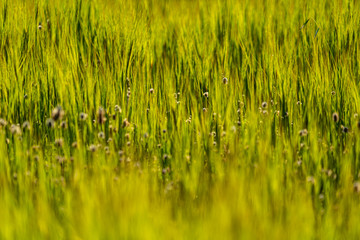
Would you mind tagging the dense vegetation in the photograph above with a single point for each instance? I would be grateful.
(179, 119)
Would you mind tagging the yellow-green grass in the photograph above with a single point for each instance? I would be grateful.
(189, 157)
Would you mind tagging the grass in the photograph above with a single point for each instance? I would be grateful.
(183, 155)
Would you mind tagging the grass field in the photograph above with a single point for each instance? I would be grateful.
(179, 119)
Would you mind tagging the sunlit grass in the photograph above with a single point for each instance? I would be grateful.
(179, 119)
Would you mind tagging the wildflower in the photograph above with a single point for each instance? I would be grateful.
(3, 123)
(57, 113)
(264, 105)
(59, 142)
(125, 123)
(101, 116)
(83, 116)
(117, 108)
(63, 124)
(303, 132)
(92, 148)
(206, 94)
(310, 179)
(26, 125)
(60, 159)
(127, 136)
(335, 117)
(225, 80)
(50, 123)
(101, 135)
(15, 129)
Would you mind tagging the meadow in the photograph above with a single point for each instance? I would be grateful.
(179, 119)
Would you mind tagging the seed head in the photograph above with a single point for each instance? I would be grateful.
(358, 124)
(125, 123)
(92, 148)
(335, 117)
(345, 130)
(127, 136)
(151, 90)
(83, 116)
(59, 142)
(225, 80)
(206, 94)
(15, 129)
(63, 124)
(303, 132)
(50, 123)
(101, 135)
(57, 113)
(117, 108)
(3, 122)
(74, 145)
(40, 26)
(310, 179)
(264, 105)
(26, 125)
(333, 93)
(101, 116)
(357, 187)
